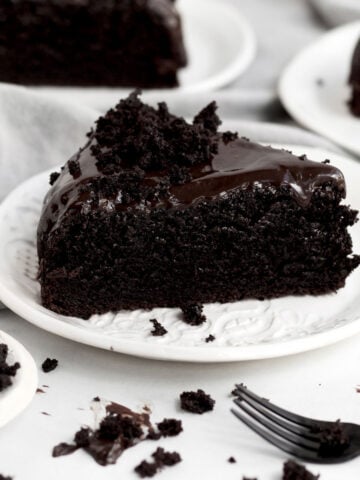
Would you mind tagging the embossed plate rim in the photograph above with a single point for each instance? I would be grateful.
(155, 348)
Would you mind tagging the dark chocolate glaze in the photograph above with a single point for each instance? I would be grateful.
(238, 164)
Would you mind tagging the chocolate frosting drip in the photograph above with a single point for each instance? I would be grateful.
(239, 164)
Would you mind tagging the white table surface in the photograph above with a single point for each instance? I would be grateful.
(319, 384)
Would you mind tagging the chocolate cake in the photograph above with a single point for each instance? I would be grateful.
(130, 43)
(354, 102)
(157, 212)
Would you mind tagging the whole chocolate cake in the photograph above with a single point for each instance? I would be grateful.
(134, 43)
(157, 212)
(354, 81)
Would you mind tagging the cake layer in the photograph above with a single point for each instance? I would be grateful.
(156, 212)
(91, 43)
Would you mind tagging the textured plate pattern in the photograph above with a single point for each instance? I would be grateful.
(243, 330)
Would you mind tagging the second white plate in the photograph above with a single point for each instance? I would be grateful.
(244, 330)
(217, 55)
(314, 87)
(15, 398)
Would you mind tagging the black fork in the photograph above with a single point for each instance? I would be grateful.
(302, 437)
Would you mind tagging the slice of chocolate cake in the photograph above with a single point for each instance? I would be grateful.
(157, 212)
(133, 43)
(354, 81)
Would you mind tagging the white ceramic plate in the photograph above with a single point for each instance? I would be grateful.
(14, 399)
(244, 330)
(337, 12)
(217, 55)
(314, 89)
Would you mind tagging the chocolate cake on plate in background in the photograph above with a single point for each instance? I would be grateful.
(157, 212)
(129, 43)
(354, 81)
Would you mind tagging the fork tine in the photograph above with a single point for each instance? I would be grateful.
(291, 417)
(276, 441)
(289, 426)
(285, 434)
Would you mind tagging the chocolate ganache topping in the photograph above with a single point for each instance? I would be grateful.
(140, 158)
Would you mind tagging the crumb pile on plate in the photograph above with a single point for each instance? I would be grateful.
(157, 212)
(7, 372)
(132, 43)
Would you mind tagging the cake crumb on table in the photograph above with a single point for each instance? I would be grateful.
(49, 365)
(196, 402)
(161, 458)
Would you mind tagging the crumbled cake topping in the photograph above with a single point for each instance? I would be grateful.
(196, 402)
(295, 471)
(231, 460)
(49, 365)
(135, 134)
(158, 330)
(6, 371)
(2, 477)
(192, 314)
(161, 458)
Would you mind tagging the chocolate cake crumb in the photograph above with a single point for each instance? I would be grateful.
(295, 471)
(82, 437)
(170, 427)
(2, 477)
(327, 161)
(74, 168)
(96, 399)
(161, 458)
(158, 330)
(6, 371)
(229, 137)
(146, 469)
(231, 460)
(196, 402)
(5, 382)
(39, 390)
(333, 441)
(210, 338)
(114, 425)
(53, 177)
(246, 478)
(192, 314)
(49, 365)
